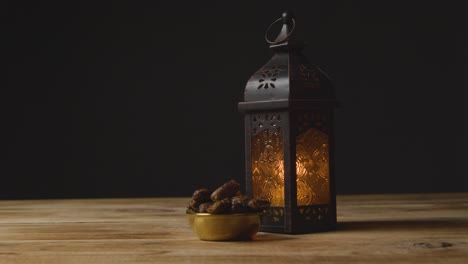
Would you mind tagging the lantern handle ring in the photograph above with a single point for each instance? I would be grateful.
(286, 37)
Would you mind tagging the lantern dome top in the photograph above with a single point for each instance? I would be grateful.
(288, 79)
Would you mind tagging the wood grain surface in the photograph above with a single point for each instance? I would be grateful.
(416, 228)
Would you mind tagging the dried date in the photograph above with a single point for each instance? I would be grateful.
(201, 196)
(228, 190)
(227, 199)
(239, 204)
(220, 207)
(204, 207)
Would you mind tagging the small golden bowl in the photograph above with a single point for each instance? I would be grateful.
(223, 227)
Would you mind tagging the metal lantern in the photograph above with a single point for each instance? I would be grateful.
(289, 138)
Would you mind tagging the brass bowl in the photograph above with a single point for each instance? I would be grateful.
(223, 227)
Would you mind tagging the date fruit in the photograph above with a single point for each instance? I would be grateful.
(227, 199)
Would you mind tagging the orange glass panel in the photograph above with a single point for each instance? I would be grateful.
(268, 166)
(312, 168)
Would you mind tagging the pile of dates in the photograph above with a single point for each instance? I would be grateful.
(227, 199)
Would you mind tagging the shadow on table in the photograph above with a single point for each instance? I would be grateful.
(388, 225)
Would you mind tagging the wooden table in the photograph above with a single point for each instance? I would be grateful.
(417, 228)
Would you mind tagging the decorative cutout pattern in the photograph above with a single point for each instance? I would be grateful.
(261, 122)
(307, 214)
(269, 77)
(315, 119)
(314, 213)
(273, 216)
(309, 75)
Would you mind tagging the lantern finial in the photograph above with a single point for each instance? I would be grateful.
(285, 37)
(287, 17)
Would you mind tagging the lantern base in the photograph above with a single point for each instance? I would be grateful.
(303, 219)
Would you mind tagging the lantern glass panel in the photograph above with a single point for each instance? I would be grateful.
(312, 160)
(267, 159)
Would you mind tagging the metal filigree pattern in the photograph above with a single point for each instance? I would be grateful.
(307, 120)
(269, 77)
(268, 166)
(311, 75)
(314, 213)
(273, 216)
(261, 122)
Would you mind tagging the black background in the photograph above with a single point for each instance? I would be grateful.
(130, 99)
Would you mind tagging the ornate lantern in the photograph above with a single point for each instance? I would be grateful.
(289, 138)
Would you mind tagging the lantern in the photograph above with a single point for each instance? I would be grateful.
(289, 139)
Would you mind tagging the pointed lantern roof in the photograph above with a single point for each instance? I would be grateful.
(288, 80)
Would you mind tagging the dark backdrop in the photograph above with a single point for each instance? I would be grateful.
(140, 99)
